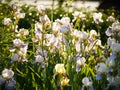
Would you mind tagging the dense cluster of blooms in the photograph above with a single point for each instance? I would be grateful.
(60, 53)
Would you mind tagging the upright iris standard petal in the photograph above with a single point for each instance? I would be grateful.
(86, 81)
(59, 68)
(7, 21)
(97, 17)
(39, 59)
(17, 42)
(7, 74)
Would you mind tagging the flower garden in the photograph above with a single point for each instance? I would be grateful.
(58, 49)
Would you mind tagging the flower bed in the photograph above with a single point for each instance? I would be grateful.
(54, 49)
